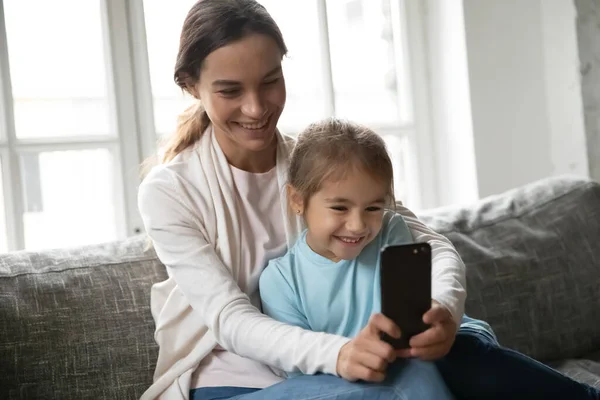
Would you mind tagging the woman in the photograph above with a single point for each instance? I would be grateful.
(215, 213)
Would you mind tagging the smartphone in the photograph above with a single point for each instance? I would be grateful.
(406, 289)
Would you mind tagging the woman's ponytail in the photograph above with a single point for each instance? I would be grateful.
(190, 126)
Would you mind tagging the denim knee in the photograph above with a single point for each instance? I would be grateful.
(416, 379)
(478, 329)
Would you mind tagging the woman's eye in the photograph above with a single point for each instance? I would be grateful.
(374, 208)
(272, 81)
(339, 208)
(230, 92)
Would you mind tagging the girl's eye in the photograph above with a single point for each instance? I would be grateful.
(272, 81)
(339, 208)
(373, 209)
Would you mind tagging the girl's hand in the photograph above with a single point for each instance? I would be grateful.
(366, 357)
(436, 341)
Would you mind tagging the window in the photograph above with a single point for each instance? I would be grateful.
(60, 132)
(363, 66)
(83, 101)
(66, 193)
(163, 21)
(57, 68)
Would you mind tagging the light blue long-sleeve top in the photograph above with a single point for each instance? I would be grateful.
(306, 289)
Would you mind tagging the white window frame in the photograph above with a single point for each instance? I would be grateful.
(130, 98)
(12, 190)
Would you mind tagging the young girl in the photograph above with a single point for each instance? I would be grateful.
(340, 182)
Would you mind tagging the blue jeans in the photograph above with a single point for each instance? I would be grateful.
(477, 367)
(405, 380)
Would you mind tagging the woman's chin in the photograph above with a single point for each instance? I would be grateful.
(257, 139)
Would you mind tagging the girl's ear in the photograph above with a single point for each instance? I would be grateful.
(295, 200)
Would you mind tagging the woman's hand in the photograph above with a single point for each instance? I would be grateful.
(366, 357)
(436, 341)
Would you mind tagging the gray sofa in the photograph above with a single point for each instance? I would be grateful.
(76, 323)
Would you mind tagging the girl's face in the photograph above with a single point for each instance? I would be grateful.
(344, 215)
(243, 91)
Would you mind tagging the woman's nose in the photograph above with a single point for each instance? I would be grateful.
(254, 106)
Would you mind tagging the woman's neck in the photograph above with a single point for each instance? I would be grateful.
(248, 160)
(255, 163)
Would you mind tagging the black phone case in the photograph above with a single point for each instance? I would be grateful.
(406, 289)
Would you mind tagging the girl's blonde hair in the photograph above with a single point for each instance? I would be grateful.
(332, 148)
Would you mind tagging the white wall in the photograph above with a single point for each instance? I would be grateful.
(563, 88)
(588, 32)
(524, 93)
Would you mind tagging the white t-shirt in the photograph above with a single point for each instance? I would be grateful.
(263, 238)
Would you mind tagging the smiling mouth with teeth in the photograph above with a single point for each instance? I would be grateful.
(350, 240)
(255, 126)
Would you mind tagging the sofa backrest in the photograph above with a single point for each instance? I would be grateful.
(76, 323)
(533, 264)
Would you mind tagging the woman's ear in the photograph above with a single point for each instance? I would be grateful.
(193, 90)
(188, 84)
(295, 200)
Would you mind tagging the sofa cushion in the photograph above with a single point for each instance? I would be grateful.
(533, 264)
(76, 323)
(586, 370)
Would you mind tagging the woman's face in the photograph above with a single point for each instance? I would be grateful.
(242, 89)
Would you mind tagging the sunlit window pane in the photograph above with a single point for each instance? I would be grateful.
(69, 198)
(164, 20)
(58, 68)
(362, 59)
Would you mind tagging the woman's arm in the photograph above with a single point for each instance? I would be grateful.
(181, 244)
(448, 270)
